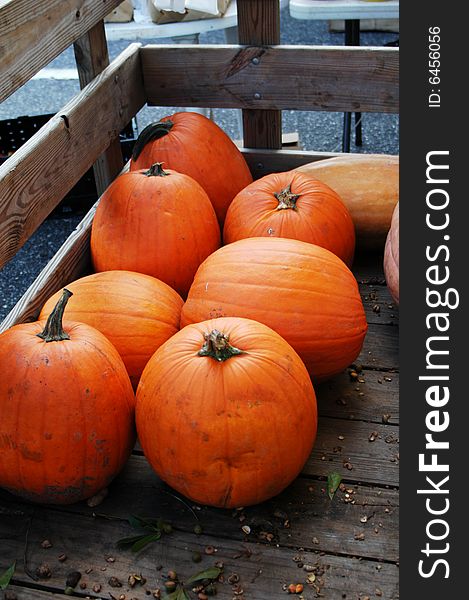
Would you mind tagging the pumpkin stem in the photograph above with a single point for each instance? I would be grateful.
(217, 346)
(53, 331)
(286, 199)
(151, 132)
(156, 170)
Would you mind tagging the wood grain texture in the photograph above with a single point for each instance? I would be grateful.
(262, 162)
(363, 79)
(262, 569)
(372, 462)
(92, 57)
(45, 168)
(381, 348)
(33, 33)
(373, 399)
(259, 25)
(380, 308)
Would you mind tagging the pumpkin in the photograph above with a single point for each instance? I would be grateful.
(156, 222)
(302, 291)
(136, 312)
(66, 410)
(368, 185)
(292, 205)
(391, 256)
(190, 143)
(226, 412)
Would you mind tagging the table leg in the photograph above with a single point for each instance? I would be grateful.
(352, 38)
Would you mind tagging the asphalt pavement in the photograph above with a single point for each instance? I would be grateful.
(320, 131)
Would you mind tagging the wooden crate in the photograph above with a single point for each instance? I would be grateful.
(350, 542)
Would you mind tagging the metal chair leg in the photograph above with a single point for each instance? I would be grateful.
(352, 38)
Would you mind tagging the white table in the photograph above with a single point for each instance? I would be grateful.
(351, 11)
(344, 9)
(142, 27)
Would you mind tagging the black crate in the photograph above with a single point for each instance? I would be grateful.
(15, 132)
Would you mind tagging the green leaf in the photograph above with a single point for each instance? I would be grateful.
(5, 577)
(182, 595)
(145, 540)
(137, 542)
(173, 595)
(333, 482)
(129, 541)
(211, 573)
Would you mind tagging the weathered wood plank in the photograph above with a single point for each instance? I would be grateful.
(262, 570)
(259, 25)
(374, 398)
(33, 33)
(381, 348)
(363, 79)
(45, 168)
(356, 457)
(28, 593)
(262, 162)
(92, 57)
(380, 308)
(302, 512)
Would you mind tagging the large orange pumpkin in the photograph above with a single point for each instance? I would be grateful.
(136, 312)
(292, 205)
(391, 256)
(226, 413)
(66, 410)
(304, 292)
(158, 222)
(190, 143)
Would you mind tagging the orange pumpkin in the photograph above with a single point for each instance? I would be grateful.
(136, 312)
(190, 143)
(156, 222)
(292, 205)
(226, 413)
(66, 410)
(304, 292)
(391, 256)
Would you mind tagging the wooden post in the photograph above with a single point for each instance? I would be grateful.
(259, 25)
(92, 57)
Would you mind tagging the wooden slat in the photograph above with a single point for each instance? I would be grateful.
(262, 569)
(259, 25)
(374, 400)
(363, 79)
(92, 57)
(33, 33)
(45, 168)
(371, 462)
(381, 348)
(380, 308)
(262, 162)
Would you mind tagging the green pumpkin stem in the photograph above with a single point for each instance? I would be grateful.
(286, 199)
(53, 331)
(151, 132)
(217, 346)
(156, 170)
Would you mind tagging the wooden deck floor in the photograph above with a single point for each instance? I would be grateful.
(349, 543)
